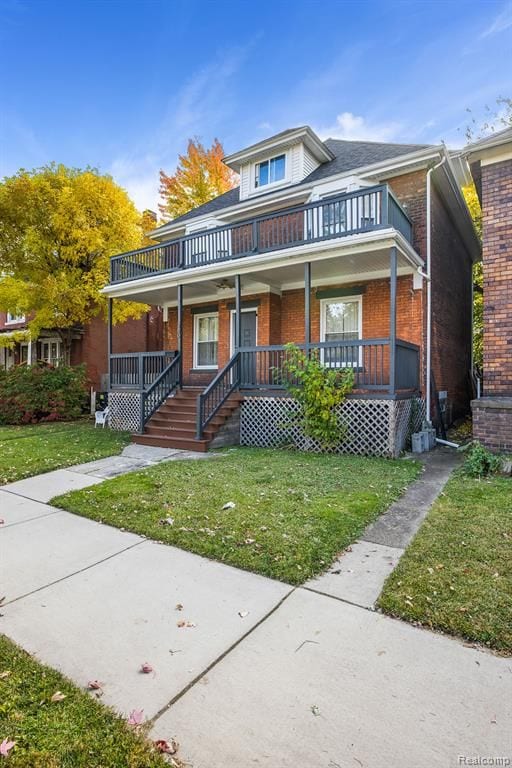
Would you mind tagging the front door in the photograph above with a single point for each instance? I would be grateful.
(248, 328)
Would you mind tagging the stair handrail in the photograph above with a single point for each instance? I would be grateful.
(152, 398)
(216, 393)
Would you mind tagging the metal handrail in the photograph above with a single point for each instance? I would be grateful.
(216, 393)
(152, 398)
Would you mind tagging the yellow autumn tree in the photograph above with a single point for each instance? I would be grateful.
(200, 176)
(59, 227)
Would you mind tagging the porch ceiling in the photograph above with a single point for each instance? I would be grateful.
(329, 266)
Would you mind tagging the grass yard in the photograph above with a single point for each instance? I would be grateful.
(76, 732)
(33, 449)
(456, 576)
(293, 511)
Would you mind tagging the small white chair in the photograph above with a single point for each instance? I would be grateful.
(101, 417)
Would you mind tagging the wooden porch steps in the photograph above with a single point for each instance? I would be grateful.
(173, 425)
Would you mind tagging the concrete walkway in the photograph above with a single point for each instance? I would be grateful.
(261, 674)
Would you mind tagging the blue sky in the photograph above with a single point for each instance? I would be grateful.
(121, 85)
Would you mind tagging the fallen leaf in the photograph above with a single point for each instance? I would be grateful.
(5, 747)
(4, 675)
(94, 685)
(183, 623)
(166, 747)
(146, 668)
(179, 606)
(315, 710)
(167, 521)
(243, 614)
(229, 505)
(58, 696)
(136, 717)
(250, 541)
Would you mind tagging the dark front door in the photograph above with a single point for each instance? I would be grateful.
(248, 323)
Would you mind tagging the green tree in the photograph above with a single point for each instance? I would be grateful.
(475, 210)
(59, 227)
(200, 176)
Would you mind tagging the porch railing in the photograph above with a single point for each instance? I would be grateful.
(372, 360)
(153, 397)
(216, 393)
(137, 370)
(352, 213)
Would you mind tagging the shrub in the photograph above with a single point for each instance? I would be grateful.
(319, 390)
(29, 394)
(479, 462)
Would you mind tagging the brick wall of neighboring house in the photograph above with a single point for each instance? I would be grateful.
(492, 422)
(497, 271)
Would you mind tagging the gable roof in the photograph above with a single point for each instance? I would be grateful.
(347, 156)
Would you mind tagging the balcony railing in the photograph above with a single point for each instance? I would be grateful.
(353, 213)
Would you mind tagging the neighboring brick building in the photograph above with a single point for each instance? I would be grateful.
(491, 166)
(88, 345)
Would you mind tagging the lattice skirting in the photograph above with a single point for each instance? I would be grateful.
(372, 427)
(124, 410)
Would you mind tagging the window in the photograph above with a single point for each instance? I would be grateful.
(13, 318)
(341, 321)
(334, 218)
(50, 351)
(206, 333)
(24, 353)
(270, 171)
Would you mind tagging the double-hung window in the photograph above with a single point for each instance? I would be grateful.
(206, 334)
(270, 171)
(341, 322)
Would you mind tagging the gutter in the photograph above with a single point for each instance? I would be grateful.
(429, 285)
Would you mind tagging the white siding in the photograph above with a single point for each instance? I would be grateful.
(245, 181)
(294, 157)
(310, 163)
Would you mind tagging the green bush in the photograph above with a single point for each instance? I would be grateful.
(29, 394)
(319, 390)
(479, 462)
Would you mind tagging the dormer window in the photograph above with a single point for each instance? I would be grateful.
(270, 171)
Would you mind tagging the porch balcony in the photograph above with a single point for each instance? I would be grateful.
(355, 213)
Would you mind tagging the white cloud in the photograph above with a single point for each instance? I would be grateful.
(502, 22)
(358, 128)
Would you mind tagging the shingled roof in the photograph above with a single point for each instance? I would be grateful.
(348, 156)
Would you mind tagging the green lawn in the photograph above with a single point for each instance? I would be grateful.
(456, 575)
(30, 450)
(293, 511)
(76, 732)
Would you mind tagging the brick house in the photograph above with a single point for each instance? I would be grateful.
(491, 166)
(88, 344)
(362, 251)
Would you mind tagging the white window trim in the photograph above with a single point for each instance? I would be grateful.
(50, 341)
(256, 190)
(232, 328)
(14, 320)
(196, 336)
(357, 298)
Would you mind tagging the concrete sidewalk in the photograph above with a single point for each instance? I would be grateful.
(263, 674)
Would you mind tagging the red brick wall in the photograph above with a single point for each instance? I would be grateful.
(497, 269)
(492, 423)
(451, 289)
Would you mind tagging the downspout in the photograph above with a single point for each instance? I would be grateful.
(429, 287)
